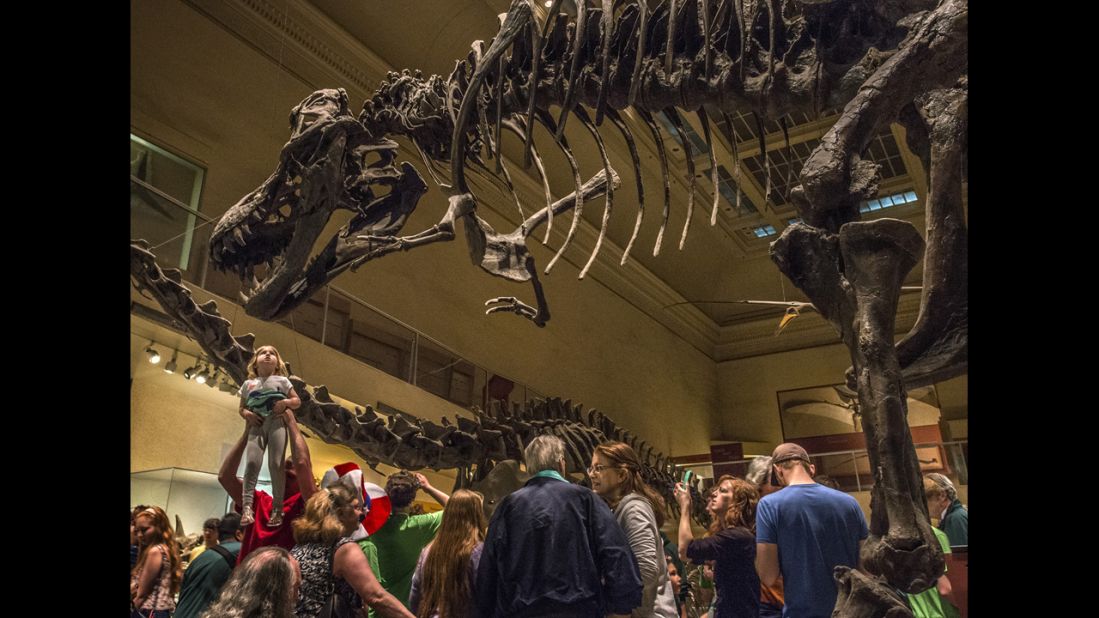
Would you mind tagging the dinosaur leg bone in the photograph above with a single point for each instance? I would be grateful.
(877, 255)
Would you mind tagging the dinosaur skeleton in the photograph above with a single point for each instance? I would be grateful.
(894, 60)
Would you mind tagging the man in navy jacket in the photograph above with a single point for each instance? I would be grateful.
(554, 549)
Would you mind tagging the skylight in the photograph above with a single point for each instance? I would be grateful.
(888, 201)
(764, 231)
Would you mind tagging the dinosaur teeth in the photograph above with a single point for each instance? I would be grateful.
(239, 236)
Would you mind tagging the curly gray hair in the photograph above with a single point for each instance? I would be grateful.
(759, 470)
(544, 453)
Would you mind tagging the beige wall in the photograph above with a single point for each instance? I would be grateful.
(748, 391)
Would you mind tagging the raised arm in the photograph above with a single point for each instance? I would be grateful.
(299, 453)
(351, 566)
(439, 496)
(683, 497)
(227, 474)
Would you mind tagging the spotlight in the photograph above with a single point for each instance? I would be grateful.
(201, 377)
(171, 366)
(213, 381)
(190, 372)
(154, 356)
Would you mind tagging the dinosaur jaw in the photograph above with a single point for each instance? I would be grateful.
(268, 238)
(285, 285)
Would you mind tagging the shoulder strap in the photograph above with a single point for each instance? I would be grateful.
(225, 553)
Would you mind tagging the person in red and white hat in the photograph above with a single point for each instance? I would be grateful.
(376, 503)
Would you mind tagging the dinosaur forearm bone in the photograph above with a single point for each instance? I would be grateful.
(937, 347)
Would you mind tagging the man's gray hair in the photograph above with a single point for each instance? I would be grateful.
(759, 470)
(945, 483)
(544, 453)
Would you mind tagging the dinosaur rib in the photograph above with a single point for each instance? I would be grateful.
(518, 126)
(572, 88)
(736, 157)
(499, 116)
(582, 114)
(708, 60)
(645, 116)
(688, 150)
(606, 23)
(669, 46)
(537, 42)
(786, 153)
(639, 59)
(516, 18)
(705, 120)
(636, 160)
(766, 159)
(579, 207)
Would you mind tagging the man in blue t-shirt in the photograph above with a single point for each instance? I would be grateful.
(804, 532)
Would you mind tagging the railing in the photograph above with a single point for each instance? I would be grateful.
(851, 472)
(180, 238)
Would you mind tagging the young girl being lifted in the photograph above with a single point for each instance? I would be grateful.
(264, 396)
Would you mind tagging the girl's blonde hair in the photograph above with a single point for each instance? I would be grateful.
(446, 589)
(280, 370)
(321, 521)
(165, 537)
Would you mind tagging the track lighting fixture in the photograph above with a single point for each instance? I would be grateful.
(190, 371)
(170, 367)
(202, 376)
(154, 356)
(213, 381)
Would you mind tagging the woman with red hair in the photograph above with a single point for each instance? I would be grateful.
(731, 544)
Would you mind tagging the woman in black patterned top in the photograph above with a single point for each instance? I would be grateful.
(328, 557)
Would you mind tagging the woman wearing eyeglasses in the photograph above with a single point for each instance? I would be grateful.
(615, 474)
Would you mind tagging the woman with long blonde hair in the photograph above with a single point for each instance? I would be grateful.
(331, 562)
(155, 579)
(731, 544)
(443, 582)
(615, 474)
